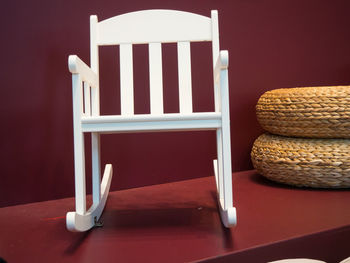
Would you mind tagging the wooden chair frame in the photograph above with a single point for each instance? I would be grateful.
(152, 27)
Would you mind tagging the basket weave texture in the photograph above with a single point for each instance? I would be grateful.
(313, 112)
(319, 163)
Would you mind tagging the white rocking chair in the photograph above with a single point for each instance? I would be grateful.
(151, 27)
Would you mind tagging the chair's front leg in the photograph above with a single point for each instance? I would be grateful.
(218, 165)
(226, 167)
(223, 177)
(79, 167)
(79, 154)
(227, 211)
(82, 220)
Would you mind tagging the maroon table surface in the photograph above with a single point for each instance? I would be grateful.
(174, 222)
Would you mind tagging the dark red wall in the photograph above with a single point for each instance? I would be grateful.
(272, 44)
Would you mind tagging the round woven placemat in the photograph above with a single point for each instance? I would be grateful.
(313, 112)
(319, 163)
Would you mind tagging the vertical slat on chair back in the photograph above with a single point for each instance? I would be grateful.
(126, 79)
(154, 27)
(184, 76)
(156, 77)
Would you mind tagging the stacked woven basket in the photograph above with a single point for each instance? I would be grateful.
(308, 143)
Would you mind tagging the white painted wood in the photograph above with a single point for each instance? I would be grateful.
(149, 26)
(215, 35)
(81, 95)
(87, 99)
(221, 64)
(215, 164)
(153, 27)
(226, 139)
(156, 77)
(94, 43)
(195, 125)
(184, 76)
(228, 216)
(126, 79)
(77, 66)
(79, 157)
(94, 61)
(96, 167)
(170, 122)
(219, 168)
(82, 222)
(223, 169)
(95, 111)
(215, 52)
(152, 117)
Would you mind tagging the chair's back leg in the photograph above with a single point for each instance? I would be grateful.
(96, 168)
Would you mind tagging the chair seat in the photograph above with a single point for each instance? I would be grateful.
(148, 122)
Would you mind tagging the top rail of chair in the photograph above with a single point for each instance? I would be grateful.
(157, 25)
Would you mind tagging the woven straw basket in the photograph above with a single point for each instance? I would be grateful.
(314, 112)
(323, 163)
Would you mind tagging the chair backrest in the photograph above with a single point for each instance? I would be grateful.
(154, 27)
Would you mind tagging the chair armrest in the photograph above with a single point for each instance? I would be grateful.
(221, 63)
(77, 66)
